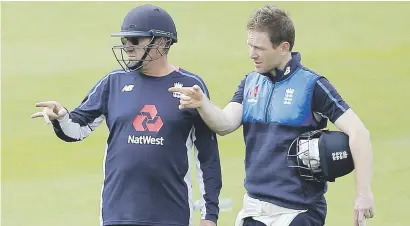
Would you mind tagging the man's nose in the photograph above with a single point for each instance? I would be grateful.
(129, 47)
(252, 54)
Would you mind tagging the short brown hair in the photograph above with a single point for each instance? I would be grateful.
(276, 22)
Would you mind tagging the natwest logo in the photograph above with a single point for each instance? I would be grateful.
(147, 119)
(145, 140)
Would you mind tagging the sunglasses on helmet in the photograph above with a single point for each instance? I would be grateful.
(133, 40)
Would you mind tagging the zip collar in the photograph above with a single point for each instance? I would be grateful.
(290, 67)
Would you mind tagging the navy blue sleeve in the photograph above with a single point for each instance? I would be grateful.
(238, 96)
(207, 153)
(327, 101)
(88, 115)
(94, 105)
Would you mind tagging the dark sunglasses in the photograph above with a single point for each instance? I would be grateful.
(133, 40)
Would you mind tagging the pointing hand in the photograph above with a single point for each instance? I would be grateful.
(191, 97)
(51, 110)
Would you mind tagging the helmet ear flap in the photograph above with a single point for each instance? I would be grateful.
(164, 44)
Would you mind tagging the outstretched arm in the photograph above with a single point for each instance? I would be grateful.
(220, 121)
(78, 124)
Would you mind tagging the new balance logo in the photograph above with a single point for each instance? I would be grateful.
(127, 88)
(287, 71)
(288, 96)
(339, 155)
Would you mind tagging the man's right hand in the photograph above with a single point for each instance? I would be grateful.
(191, 97)
(52, 110)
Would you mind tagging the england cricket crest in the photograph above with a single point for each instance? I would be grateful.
(288, 98)
(177, 94)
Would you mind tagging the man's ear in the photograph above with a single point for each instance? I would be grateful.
(284, 48)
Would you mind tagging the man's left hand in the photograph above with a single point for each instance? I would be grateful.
(207, 223)
(363, 208)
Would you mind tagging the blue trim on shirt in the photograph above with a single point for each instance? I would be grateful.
(331, 96)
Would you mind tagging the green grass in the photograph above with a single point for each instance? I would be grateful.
(57, 51)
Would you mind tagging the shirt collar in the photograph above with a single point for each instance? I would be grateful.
(290, 67)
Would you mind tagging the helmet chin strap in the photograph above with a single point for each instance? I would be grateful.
(139, 64)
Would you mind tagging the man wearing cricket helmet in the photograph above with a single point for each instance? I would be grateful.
(147, 180)
(146, 36)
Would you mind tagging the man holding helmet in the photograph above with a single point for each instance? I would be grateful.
(277, 103)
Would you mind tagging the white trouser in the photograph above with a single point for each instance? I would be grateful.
(267, 213)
